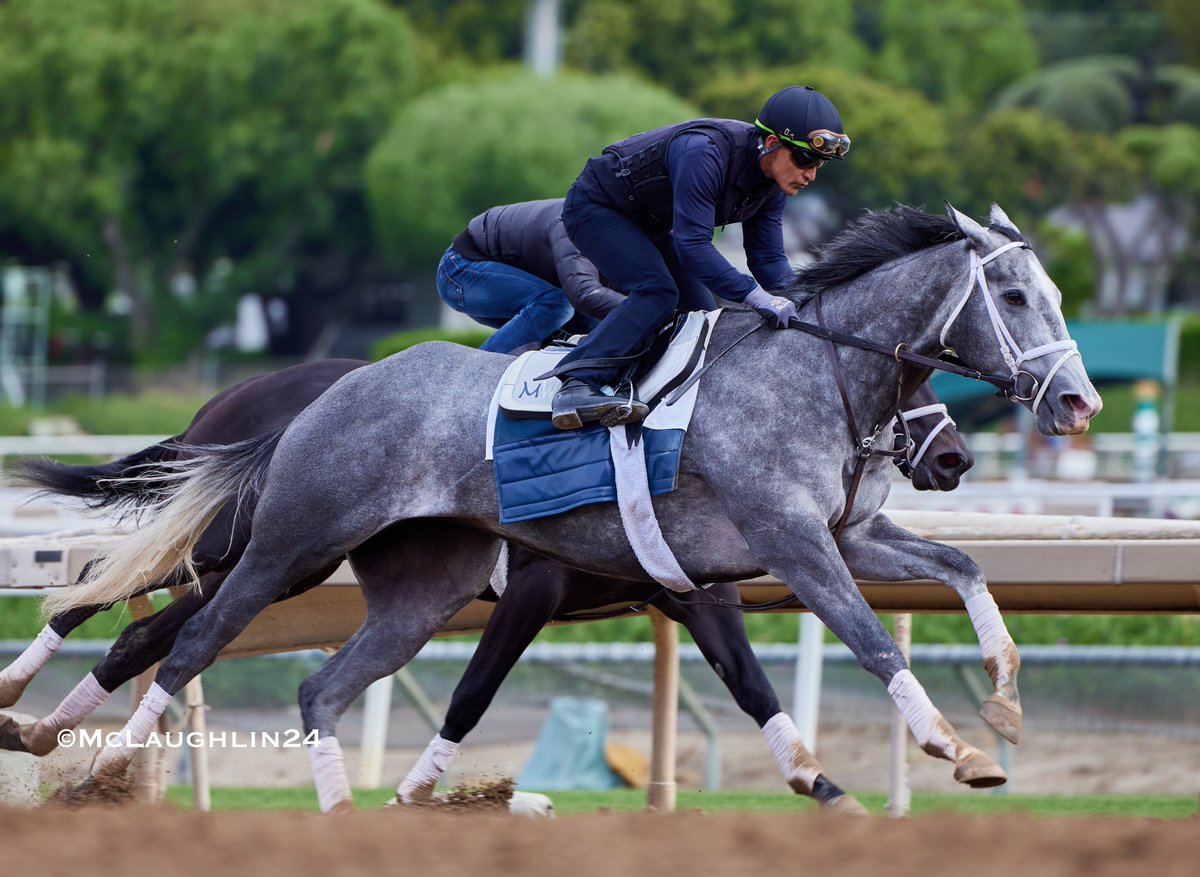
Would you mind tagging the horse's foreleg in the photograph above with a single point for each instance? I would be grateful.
(720, 634)
(818, 577)
(881, 551)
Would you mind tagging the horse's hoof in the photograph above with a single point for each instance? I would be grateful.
(531, 804)
(38, 739)
(846, 805)
(1004, 716)
(10, 735)
(976, 770)
(10, 691)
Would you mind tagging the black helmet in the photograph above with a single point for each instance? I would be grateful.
(805, 119)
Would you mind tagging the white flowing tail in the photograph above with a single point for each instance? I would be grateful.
(181, 499)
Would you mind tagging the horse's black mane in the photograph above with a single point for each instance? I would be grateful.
(870, 241)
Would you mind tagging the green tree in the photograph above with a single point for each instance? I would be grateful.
(486, 31)
(182, 153)
(900, 139)
(1171, 156)
(1108, 92)
(1134, 131)
(508, 136)
(954, 52)
(677, 43)
(1066, 29)
(1021, 159)
(685, 44)
(1184, 26)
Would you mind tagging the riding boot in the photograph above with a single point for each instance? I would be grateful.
(577, 403)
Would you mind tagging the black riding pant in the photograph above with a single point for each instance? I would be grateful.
(647, 271)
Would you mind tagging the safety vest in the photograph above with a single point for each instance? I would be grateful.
(633, 173)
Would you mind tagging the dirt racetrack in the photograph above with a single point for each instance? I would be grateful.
(163, 841)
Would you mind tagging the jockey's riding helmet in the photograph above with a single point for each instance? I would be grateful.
(806, 122)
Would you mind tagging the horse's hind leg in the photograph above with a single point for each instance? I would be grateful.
(533, 596)
(414, 577)
(16, 676)
(802, 552)
(141, 644)
(720, 634)
(264, 573)
(881, 551)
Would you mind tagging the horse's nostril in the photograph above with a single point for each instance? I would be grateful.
(950, 462)
(1078, 404)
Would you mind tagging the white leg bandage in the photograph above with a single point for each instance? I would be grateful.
(329, 771)
(995, 644)
(76, 706)
(423, 778)
(33, 659)
(116, 757)
(932, 732)
(41, 738)
(800, 767)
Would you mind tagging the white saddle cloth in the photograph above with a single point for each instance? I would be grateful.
(522, 394)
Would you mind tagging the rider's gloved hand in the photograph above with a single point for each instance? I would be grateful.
(777, 309)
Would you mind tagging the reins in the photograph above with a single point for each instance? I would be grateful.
(1006, 385)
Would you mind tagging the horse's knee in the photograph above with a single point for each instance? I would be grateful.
(309, 689)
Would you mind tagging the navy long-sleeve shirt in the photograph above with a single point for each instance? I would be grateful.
(696, 167)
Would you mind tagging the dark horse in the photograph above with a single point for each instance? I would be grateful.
(377, 469)
(539, 589)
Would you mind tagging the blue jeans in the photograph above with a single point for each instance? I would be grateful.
(524, 308)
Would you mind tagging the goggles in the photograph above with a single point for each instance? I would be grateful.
(820, 146)
(825, 142)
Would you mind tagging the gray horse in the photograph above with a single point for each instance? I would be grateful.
(399, 447)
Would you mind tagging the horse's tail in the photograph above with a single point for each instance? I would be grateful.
(99, 487)
(180, 498)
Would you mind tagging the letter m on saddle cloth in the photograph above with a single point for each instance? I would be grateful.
(542, 471)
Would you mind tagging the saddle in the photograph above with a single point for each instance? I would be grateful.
(541, 470)
(665, 365)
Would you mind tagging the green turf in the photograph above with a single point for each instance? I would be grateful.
(569, 803)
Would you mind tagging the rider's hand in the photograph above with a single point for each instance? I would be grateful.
(777, 309)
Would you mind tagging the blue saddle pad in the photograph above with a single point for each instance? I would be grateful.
(542, 471)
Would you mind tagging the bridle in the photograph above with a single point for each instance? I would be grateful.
(912, 456)
(1014, 357)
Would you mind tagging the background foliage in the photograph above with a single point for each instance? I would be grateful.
(177, 156)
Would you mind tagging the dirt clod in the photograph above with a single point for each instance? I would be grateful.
(489, 797)
(101, 791)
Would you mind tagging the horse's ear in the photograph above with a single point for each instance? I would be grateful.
(975, 233)
(999, 220)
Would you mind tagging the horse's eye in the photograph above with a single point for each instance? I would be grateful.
(1013, 296)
